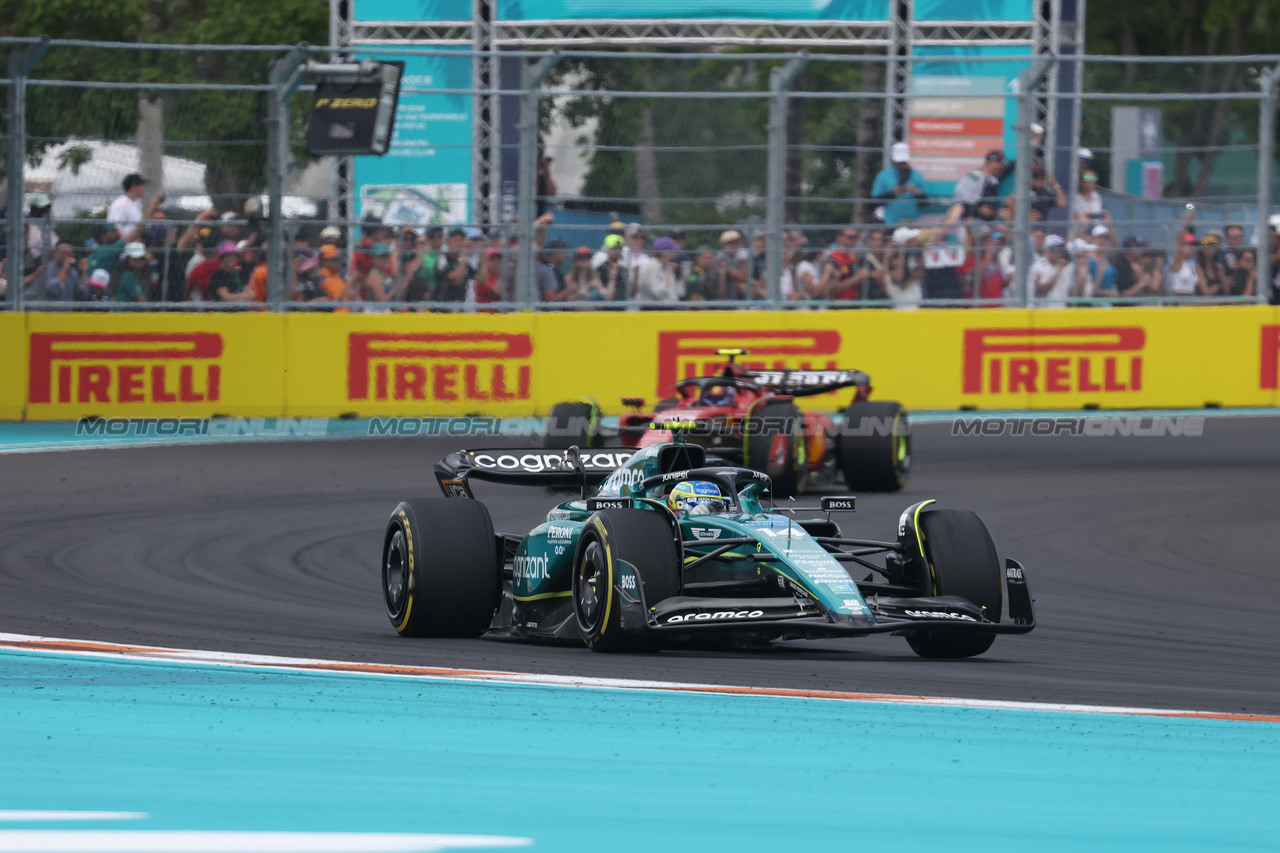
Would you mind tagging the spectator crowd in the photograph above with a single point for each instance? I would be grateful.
(966, 254)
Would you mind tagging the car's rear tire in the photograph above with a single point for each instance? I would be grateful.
(780, 453)
(962, 561)
(643, 538)
(440, 570)
(879, 461)
(571, 425)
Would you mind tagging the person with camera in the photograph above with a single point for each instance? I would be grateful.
(899, 188)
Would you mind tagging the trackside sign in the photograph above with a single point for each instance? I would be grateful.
(66, 366)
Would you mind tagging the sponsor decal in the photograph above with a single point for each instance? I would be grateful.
(627, 478)
(1013, 573)
(526, 567)
(559, 515)
(840, 588)
(628, 581)
(784, 379)
(853, 605)
(474, 367)
(693, 353)
(705, 532)
(135, 367)
(544, 461)
(1101, 359)
(939, 614)
(718, 616)
(556, 531)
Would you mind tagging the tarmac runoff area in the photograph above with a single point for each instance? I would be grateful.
(1151, 559)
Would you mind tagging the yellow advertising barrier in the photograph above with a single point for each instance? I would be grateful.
(151, 365)
(64, 366)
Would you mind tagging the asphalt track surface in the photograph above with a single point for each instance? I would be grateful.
(1152, 561)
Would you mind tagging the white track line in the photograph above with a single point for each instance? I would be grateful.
(13, 816)
(134, 652)
(195, 841)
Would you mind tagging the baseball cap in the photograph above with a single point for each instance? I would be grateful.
(665, 244)
(331, 232)
(100, 278)
(1084, 154)
(135, 250)
(1100, 231)
(1037, 128)
(1210, 240)
(380, 250)
(228, 215)
(1134, 242)
(38, 200)
(903, 234)
(102, 229)
(729, 237)
(583, 252)
(1053, 241)
(901, 152)
(613, 241)
(329, 252)
(226, 248)
(555, 244)
(617, 225)
(634, 228)
(995, 155)
(473, 233)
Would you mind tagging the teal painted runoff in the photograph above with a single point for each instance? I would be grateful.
(221, 748)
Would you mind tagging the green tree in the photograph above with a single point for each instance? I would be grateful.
(224, 130)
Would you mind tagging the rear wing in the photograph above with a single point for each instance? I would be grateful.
(806, 383)
(523, 467)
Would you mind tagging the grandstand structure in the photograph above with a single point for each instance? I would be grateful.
(900, 31)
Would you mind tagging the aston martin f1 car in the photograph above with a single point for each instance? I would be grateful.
(662, 549)
(749, 417)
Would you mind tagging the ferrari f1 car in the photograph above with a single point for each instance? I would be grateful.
(749, 417)
(662, 549)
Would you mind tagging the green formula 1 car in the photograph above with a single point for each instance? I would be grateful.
(662, 548)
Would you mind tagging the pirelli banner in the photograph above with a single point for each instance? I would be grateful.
(66, 366)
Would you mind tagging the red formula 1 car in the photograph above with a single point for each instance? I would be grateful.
(749, 417)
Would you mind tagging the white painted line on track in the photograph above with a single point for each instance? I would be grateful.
(195, 841)
(155, 654)
(13, 816)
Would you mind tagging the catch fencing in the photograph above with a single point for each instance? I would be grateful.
(782, 148)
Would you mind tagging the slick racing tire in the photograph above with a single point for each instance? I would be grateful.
(780, 453)
(880, 460)
(440, 571)
(962, 561)
(571, 425)
(644, 539)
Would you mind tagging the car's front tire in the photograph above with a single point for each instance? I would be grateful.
(962, 561)
(643, 538)
(440, 570)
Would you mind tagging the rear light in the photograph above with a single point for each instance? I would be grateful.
(863, 393)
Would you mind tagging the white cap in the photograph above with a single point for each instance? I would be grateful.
(228, 215)
(902, 234)
(135, 250)
(331, 232)
(1037, 128)
(900, 153)
(100, 277)
(1053, 241)
(1100, 230)
(1084, 154)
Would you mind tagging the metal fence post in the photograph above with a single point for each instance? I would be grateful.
(283, 78)
(1022, 256)
(1266, 156)
(20, 65)
(526, 292)
(780, 80)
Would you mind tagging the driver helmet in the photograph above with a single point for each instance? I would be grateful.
(720, 395)
(696, 497)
